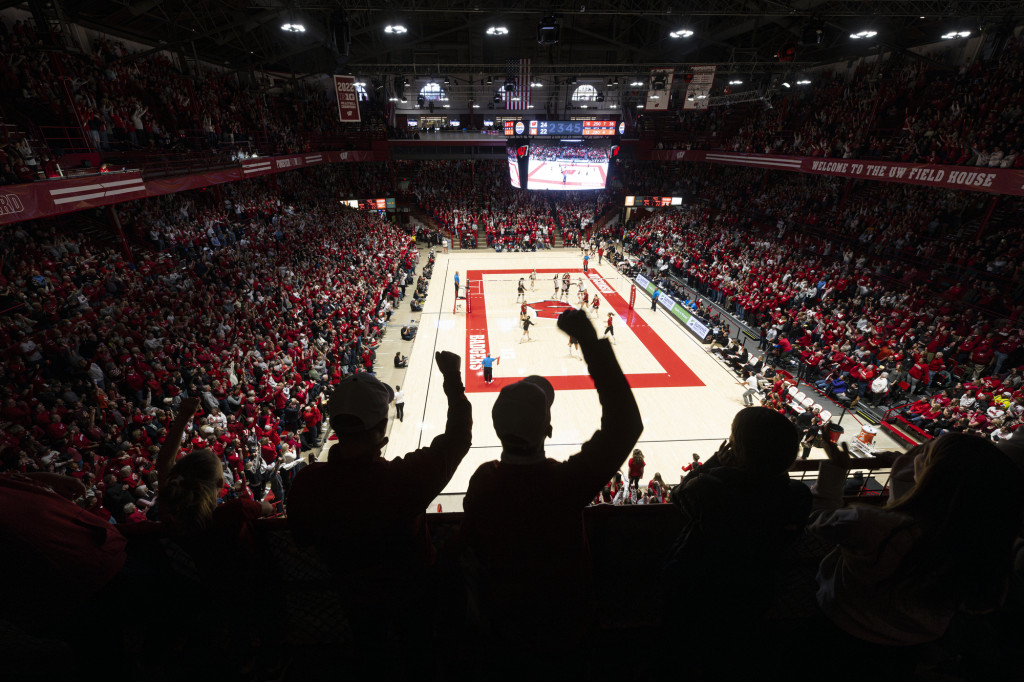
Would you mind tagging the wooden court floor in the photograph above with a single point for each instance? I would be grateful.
(687, 397)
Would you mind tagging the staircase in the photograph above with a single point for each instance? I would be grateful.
(556, 239)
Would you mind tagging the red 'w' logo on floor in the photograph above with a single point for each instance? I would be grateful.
(550, 309)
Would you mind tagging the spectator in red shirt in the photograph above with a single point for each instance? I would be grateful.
(636, 469)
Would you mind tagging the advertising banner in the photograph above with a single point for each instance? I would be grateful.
(66, 195)
(676, 309)
(979, 179)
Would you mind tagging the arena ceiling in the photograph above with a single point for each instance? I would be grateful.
(596, 38)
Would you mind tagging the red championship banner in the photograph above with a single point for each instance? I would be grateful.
(348, 99)
(976, 178)
(632, 296)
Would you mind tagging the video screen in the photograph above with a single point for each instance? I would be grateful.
(513, 167)
(563, 165)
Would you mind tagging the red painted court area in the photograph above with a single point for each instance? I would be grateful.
(676, 374)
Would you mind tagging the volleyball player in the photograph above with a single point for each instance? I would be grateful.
(596, 304)
(521, 290)
(527, 323)
(555, 280)
(609, 329)
(586, 300)
(574, 349)
(533, 278)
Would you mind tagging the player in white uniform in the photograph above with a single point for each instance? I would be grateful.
(533, 278)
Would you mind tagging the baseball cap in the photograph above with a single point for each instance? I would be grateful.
(362, 397)
(522, 412)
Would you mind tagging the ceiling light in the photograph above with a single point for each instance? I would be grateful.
(404, 100)
(490, 81)
(530, 106)
(803, 81)
(681, 33)
(655, 97)
(497, 31)
(447, 80)
(863, 34)
(583, 106)
(396, 29)
(786, 84)
(955, 34)
(705, 96)
(392, 99)
(637, 84)
(614, 106)
(639, 106)
(293, 28)
(360, 83)
(476, 106)
(536, 84)
(446, 106)
(735, 82)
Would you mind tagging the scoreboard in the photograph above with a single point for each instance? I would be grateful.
(370, 204)
(564, 128)
(653, 202)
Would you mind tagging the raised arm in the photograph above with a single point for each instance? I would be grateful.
(436, 464)
(621, 424)
(172, 442)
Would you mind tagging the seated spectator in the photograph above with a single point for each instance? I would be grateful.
(401, 361)
(408, 333)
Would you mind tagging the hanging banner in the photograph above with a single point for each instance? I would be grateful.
(659, 88)
(348, 99)
(698, 90)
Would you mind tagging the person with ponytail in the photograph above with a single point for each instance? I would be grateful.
(188, 494)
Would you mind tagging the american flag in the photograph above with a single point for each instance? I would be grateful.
(517, 84)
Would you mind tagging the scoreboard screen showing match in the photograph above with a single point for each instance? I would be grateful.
(564, 165)
(653, 201)
(369, 204)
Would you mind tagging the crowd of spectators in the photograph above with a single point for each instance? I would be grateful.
(475, 199)
(835, 316)
(252, 303)
(546, 151)
(256, 300)
(904, 109)
(120, 101)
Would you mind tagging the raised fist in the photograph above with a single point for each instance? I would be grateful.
(577, 324)
(448, 362)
